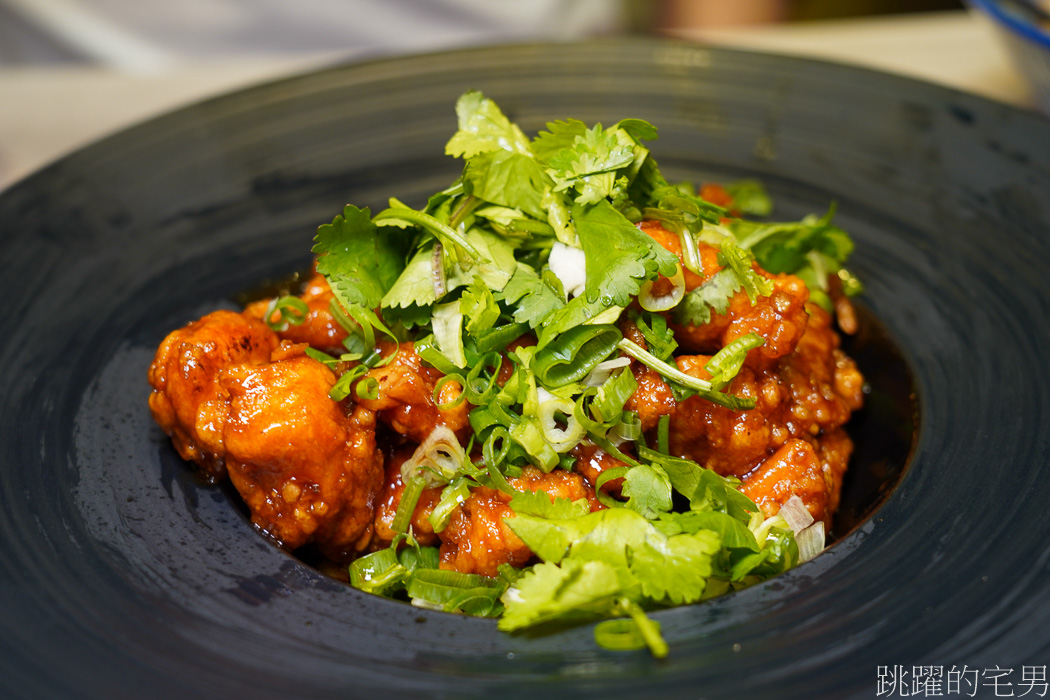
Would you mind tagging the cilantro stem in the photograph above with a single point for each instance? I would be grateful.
(444, 233)
(466, 206)
(673, 374)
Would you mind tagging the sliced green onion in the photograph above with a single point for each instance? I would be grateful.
(440, 458)
(690, 251)
(613, 396)
(291, 311)
(810, 541)
(561, 439)
(482, 389)
(454, 591)
(663, 433)
(322, 357)
(447, 321)
(494, 457)
(726, 363)
(574, 353)
(409, 498)
(368, 389)
(529, 435)
(649, 629)
(452, 495)
(426, 348)
(668, 301)
(603, 370)
(629, 428)
(673, 374)
(345, 383)
(621, 634)
(499, 337)
(440, 384)
(377, 572)
(609, 475)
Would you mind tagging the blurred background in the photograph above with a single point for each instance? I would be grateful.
(73, 70)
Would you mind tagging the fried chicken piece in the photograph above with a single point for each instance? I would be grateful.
(834, 449)
(806, 394)
(405, 400)
(779, 318)
(307, 470)
(187, 401)
(477, 541)
(319, 329)
(793, 470)
(591, 461)
(653, 398)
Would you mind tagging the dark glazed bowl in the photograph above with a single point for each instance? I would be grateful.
(121, 576)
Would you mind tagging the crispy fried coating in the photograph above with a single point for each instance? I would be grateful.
(405, 400)
(308, 470)
(779, 318)
(591, 461)
(477, 540)
(319, 329)
(807, 395)
(187, 401)
(793, 470)
(653, 398)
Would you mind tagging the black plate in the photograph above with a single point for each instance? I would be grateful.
(120, 576)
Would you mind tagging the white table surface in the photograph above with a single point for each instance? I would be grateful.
(46, 112)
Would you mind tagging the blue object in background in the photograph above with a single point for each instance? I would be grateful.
(1027, 43)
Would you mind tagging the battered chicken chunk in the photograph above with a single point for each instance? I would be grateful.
(319, 329)
(405, 400)
(308, 470)
(477, 541)
(779, 318)
(793, 470)
(187, 400)
(807, 395)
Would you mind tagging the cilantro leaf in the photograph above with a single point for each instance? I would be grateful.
(734, 534)
(415, 286)
(749, 197)
(508, 178)
(483, 128)
(783, 247)
(539, 503)
(478, 307)
(713, 295)
(675, 567)
(551, 592)
(619, 256)
(577, 311)
(590, 163)
(638, 129)
(740, 260)
(536, 297)
(360, 260)
(561, 135)
(648, 490)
